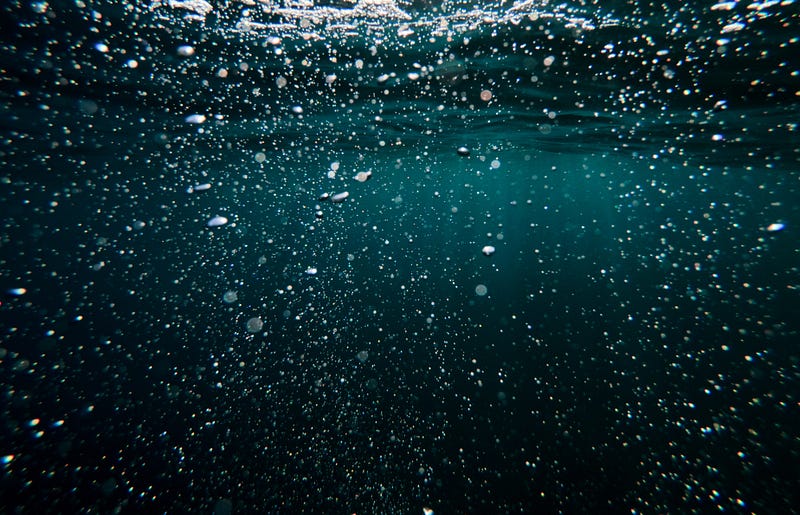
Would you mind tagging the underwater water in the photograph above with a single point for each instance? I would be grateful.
(413, 257)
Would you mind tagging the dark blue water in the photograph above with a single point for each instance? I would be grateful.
(628, 345)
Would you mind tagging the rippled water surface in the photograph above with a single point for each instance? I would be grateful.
(414, 257)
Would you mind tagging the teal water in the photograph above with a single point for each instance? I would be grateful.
(190, 323)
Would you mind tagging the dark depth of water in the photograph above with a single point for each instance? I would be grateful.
(629, 347)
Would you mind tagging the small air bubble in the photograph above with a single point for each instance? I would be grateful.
(186, 50)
